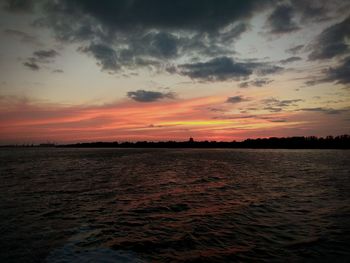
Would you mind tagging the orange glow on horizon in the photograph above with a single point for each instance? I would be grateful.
(128, 120)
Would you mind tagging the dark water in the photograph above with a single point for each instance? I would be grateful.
(173, 205)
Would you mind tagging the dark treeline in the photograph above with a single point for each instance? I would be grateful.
(312, 142)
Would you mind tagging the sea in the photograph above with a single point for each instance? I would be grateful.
(174, 205)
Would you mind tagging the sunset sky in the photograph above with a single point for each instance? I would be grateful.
(129, 70)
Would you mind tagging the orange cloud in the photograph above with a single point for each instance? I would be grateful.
(26, 122)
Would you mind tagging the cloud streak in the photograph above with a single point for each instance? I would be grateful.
(332, 42)
(40, 57)
(27, 121)
(149, 96)
(281, 20)
(236, 99)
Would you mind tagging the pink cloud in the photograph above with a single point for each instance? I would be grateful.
(25, 121)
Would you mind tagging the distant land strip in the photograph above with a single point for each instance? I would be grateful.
(302, 142)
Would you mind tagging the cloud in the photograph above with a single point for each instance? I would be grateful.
(234, 33)
(40, 57)
(222, 68)
(292, 15)
(236, 99)
(234, 117)
(310, 10)
(276, 105)
(290, 60)
(266, 68)
(295, 50)
(332, 42)
(326, 110)
(31, 65)
(244, 84)
(281, 103)
(126, 15)
(341, 73)
(149, 96)
(226, 68)
(287, 103)
(18, 6)
(166, 35)
(256, 83)
(338, 74)
(106, 55)
(45, 54)
(278, 120)
(151, 34)
(151, 49)
(216, 109)
(22, 36)
(160, 45)
(273, 109)
(281, 20)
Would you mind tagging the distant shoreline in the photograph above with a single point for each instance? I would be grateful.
(312, 142)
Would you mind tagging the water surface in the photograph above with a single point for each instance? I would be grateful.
(174, 205)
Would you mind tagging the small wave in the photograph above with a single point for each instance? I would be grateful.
(73, 253)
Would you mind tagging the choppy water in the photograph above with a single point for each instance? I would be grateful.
(173, 205)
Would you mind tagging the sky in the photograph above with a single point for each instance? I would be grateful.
(158, 70)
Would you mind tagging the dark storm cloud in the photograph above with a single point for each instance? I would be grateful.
(18, 6)
(290, 60)
(80, 20)
(222, 68)
(236, 99)
(338, 74)
(292, 15)
(156, 34)
(281, 20)
(295, 50)
(256, 83)
(229, 36)
(105, 55)
(226, 68)
(155, 45)
(332, 41)
(149, 49)
(163, 45)
(313, 10)
(155, 31)
(149, 96)
(206, 15)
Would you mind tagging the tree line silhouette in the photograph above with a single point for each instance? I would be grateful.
(311, 142)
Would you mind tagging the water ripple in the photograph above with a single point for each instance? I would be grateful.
(173, 205)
